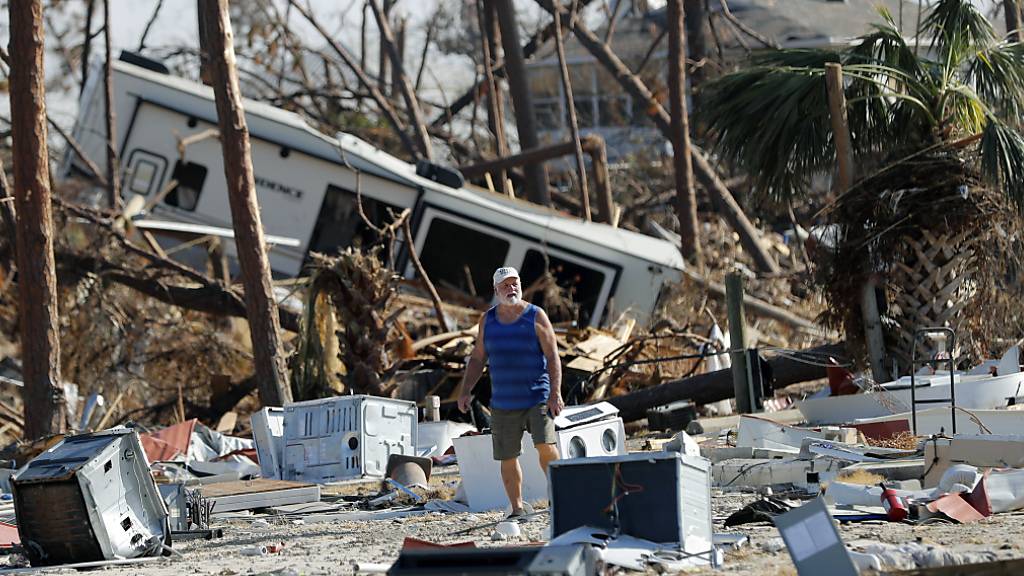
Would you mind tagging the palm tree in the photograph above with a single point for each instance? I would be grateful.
(935, 136)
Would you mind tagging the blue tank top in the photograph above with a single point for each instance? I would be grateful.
(519, 370)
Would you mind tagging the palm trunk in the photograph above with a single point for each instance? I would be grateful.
(686, 197)
(264, 325)
(37, 281)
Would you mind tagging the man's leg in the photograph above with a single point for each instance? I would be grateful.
(512, 477)
(547, 453)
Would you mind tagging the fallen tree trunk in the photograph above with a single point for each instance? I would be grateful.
(211, 298)
(715, 386)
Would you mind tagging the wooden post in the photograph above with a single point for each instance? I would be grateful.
(686, 195)
(574, 126)
(37, 280)
(873, 335)
(113, 175)
(261, 309)
(738, 342)
(522, 102)
(840, 127)
(594, 146)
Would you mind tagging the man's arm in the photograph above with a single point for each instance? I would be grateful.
(548, 344)
(474, 368)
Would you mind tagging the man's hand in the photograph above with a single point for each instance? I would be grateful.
(464, 399)
(555, 404)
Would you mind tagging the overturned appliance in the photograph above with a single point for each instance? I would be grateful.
(662, 497)
(89, 498)
(334, 439)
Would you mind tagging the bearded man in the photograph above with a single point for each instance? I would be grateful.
(517, 341)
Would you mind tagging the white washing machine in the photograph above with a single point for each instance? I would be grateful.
(605, 437)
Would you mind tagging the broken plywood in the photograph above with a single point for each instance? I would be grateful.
(252, 494)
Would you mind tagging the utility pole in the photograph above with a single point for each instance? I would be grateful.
(264, 324)
(686, 196)
(37, 280)
(519, 90)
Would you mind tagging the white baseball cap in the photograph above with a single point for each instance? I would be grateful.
(504, 273)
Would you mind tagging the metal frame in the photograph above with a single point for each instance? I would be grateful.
(914, 362)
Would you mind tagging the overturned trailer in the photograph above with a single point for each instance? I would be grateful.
(307, 185)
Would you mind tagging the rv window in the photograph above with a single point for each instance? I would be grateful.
(339, 225)
(452, 254)
(142, 177)
(190, 177)
(582, 284)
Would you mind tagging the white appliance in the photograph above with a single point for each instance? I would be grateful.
(601, 438)
(89, 498)
(345, 437)
(673, 506)
(268, 432)
(576, 415)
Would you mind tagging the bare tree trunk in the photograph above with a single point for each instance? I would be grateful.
(724, 201)
(387, 39)
(696, 39)
(86, 44)
(398, 41)
(1012, 9)
(574, 126)
(686, 196)
(536, 175)
(264, 325)
(488, 33)
(113, 177)
(8, 214)
(382, 52)
(205, 76)
(37, 281)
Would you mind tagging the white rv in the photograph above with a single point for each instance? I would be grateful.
(306, 183)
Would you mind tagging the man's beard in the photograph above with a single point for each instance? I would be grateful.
(511, 299)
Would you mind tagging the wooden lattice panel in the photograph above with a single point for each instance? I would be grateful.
(930, 287)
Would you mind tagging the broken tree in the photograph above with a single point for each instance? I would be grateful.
(37, 281)
(264, 325)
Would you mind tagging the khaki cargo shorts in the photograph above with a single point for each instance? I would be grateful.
(507, 428)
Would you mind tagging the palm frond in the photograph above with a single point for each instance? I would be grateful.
(966, 114)
(997, 75)
(1002, 159)
(773, 122)
(956, 29)
(885, 46)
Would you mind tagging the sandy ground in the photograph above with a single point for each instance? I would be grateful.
(313, 548)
